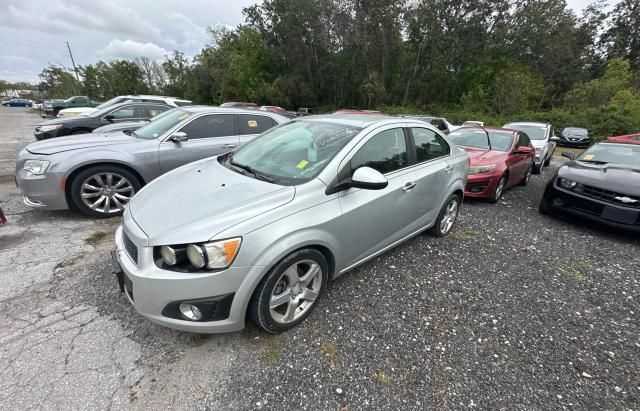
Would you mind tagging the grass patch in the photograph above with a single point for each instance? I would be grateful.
(578, 275)
(329, 351)
(360, 275)
(199, 339)
(470, 234)
(95, 238)
(383, 379)
(272, 350)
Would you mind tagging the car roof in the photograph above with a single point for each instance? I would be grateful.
(152, 96)
(354, 120)
(528, 123)
(496, 129)
(228, 110)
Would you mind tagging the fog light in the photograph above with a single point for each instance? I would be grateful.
(190, 312)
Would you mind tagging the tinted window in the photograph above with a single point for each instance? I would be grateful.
(628, 154)
(635, 138)
(250, 124)
(153, 111)
(385, 152)
(213, 125)
(129, 112)
(523, 140)
(429, 145)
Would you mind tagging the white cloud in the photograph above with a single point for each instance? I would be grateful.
(130, 49)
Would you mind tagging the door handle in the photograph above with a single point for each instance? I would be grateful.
(409, 186)
(448, 168)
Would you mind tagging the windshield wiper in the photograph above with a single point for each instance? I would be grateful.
(259, 175)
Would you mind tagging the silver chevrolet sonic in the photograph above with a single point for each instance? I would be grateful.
(258, 232)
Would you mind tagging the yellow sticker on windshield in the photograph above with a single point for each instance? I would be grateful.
(588, 157)
(301, 165)
(252, 123)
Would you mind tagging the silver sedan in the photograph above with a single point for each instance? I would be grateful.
(259, 232)
(98, 174)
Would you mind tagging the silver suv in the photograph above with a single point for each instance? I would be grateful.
(263, 229)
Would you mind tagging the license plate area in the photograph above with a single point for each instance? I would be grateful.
(619, 216)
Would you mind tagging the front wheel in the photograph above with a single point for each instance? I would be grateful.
(499, 190)
(547, 161)
(447, 217)
(527, 177)
(290, 291)
(103, 191)
(537, 168)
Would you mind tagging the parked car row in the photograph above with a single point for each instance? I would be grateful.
(220, 226)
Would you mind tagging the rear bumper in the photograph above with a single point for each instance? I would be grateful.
(562, 202)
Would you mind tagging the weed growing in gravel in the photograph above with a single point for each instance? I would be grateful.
(95, 238)
(571, 272)
(360, 275)
(470, 234)
(329, 351)
(199, 339)
(383, 378)
(272, 351)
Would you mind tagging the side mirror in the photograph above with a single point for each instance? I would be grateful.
(523, 150)
(554, 138)
(369, 179)
(569, 155)
(179, 137)
(109, 118)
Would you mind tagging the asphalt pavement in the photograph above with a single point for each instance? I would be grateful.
(512, 310)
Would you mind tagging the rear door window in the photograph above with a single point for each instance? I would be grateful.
(429, 145)
(211, 125)
(254, 124)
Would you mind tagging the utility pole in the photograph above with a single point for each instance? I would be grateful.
(75, 70)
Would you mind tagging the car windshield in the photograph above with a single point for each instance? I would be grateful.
(292, 153)
(626, 154)
(161, 124)
(111, 102)
(534, 132)
(575, 131)
(474, 137)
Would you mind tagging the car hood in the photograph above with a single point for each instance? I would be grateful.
(480, 156)
(538, 143)
(621, 179)
(199, 200)
(79, 141)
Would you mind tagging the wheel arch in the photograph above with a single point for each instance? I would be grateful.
(69, 179)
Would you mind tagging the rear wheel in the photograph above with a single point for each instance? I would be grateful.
(447, 217)
(527, 177)
(103, 191)
(289, 292)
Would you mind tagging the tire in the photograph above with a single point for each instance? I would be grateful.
(499, 190)
(440, 229)
(537, 169)
(55, 112)
(527, 177)
(124, 184)
(544, 207)
(293, 307)
(548, 161)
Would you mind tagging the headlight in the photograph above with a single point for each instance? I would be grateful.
(36, 167)
(566, 183)
(539, 149)
(49, 128)
(482, 169)
(213, 255)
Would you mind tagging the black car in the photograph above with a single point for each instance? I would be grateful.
(116, 113)
(575, 137)
(602, 185)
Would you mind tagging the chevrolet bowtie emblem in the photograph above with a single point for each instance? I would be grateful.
(626, 200)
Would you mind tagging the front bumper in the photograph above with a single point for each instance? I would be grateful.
(42, 191)
(154, 291)
(562, 202)
(482, 185)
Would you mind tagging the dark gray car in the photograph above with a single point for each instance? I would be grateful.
(98, 174)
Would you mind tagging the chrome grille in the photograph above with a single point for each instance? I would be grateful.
(131, 248)
(610, 196)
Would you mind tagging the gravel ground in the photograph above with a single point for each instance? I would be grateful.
(512, 310)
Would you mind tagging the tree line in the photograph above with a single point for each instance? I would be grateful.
(496, 60)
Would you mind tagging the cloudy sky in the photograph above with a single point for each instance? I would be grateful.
(33, 32)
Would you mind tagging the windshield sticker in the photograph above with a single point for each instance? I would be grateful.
(588, 157)
(329, 140)
(302, 164)
(252, 123)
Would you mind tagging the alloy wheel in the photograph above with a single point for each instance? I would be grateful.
(499, 189)
(295, 291)
(449, 217)
(528, 176)
(106, 193)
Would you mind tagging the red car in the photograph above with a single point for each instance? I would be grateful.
(500, 158)
(629, 138)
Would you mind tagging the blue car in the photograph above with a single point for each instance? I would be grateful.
(17, 102)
